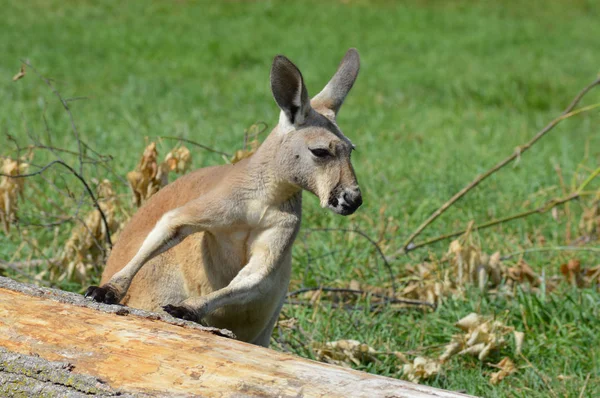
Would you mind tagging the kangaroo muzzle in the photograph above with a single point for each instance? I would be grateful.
(345, 201)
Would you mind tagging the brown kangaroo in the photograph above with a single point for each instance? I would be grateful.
(215, 245)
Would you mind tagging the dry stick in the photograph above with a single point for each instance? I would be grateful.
(15, 268)
(168, 137)
(388, 299)
(247, 131)
(85, 184)
(584, 385)
(553, 203)
(568, 112)
(332, 305)
(367, 237)
(26, 264)
(547, 207)
(65, 105)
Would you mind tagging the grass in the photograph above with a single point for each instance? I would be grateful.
(446, 89)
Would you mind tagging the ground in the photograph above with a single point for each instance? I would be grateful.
(446, 90)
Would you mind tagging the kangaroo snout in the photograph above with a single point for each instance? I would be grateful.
(346, 201)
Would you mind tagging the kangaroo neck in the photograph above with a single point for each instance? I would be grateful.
(264, 171)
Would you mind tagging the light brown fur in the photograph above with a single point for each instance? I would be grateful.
(215, 245)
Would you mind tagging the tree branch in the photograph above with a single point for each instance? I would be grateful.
(543, 209)
(168, 137)
(85, 184)
(568, 112)
(375, 245)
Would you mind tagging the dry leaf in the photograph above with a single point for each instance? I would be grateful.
(471, 265)
(354, 285)
(251, 146)
(572, 272)
(19, 75)
(178, 160)
(522, 272)
(85, 247)
(469, 322)
(451, 349)
(246, 152)
(592, 276)
(421, 369)
(149, 176)
(481, 336)
(506, 367)
(401, 357)
(143, 180)
(589, 225)
(344, 352)
(519, 338)
(10, 191)
(428, 283)
(289, 323)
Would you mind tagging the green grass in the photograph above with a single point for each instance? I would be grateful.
(446, 90)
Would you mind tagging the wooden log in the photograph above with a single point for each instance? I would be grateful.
(56, 343)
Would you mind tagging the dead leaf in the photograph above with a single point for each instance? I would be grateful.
(149, 176)
(289, 323)
(506, 366)
(572, 272)
(251, 146)
(421, 369)
(85, 248)
(11, 189)
(344, 352)
(522, 272)
(19, 75)
(354, 284)
(481, 336)
(178, 160)
(401, 357)
(469, 322)
(519, 338)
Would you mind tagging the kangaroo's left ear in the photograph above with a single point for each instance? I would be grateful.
(333, 95)
(289, 90)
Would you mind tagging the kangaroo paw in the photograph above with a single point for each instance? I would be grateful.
(181, 312)
(105, 294)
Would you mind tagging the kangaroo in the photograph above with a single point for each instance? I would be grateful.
(215, 246)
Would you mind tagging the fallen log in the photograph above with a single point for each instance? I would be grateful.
(54, 343)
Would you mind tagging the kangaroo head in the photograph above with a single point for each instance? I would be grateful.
(313, 152)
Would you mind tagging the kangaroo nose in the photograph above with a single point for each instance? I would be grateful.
(353, 200)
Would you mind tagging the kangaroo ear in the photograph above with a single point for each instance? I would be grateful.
(333, 95)
(289, 90)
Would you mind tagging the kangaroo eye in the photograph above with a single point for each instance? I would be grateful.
(320, 152)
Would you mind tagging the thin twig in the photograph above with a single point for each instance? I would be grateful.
(168, 137)
(333, 305)
(85, 184)
(547, 207)
(568, 112)
(65, 105)
(247, 131)
(26, 264)
(543, 209)
(387, 299)
(552, 249)
(368, 238)
(587, 379)
(15, 268)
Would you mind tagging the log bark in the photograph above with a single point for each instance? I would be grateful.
(54, 343)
